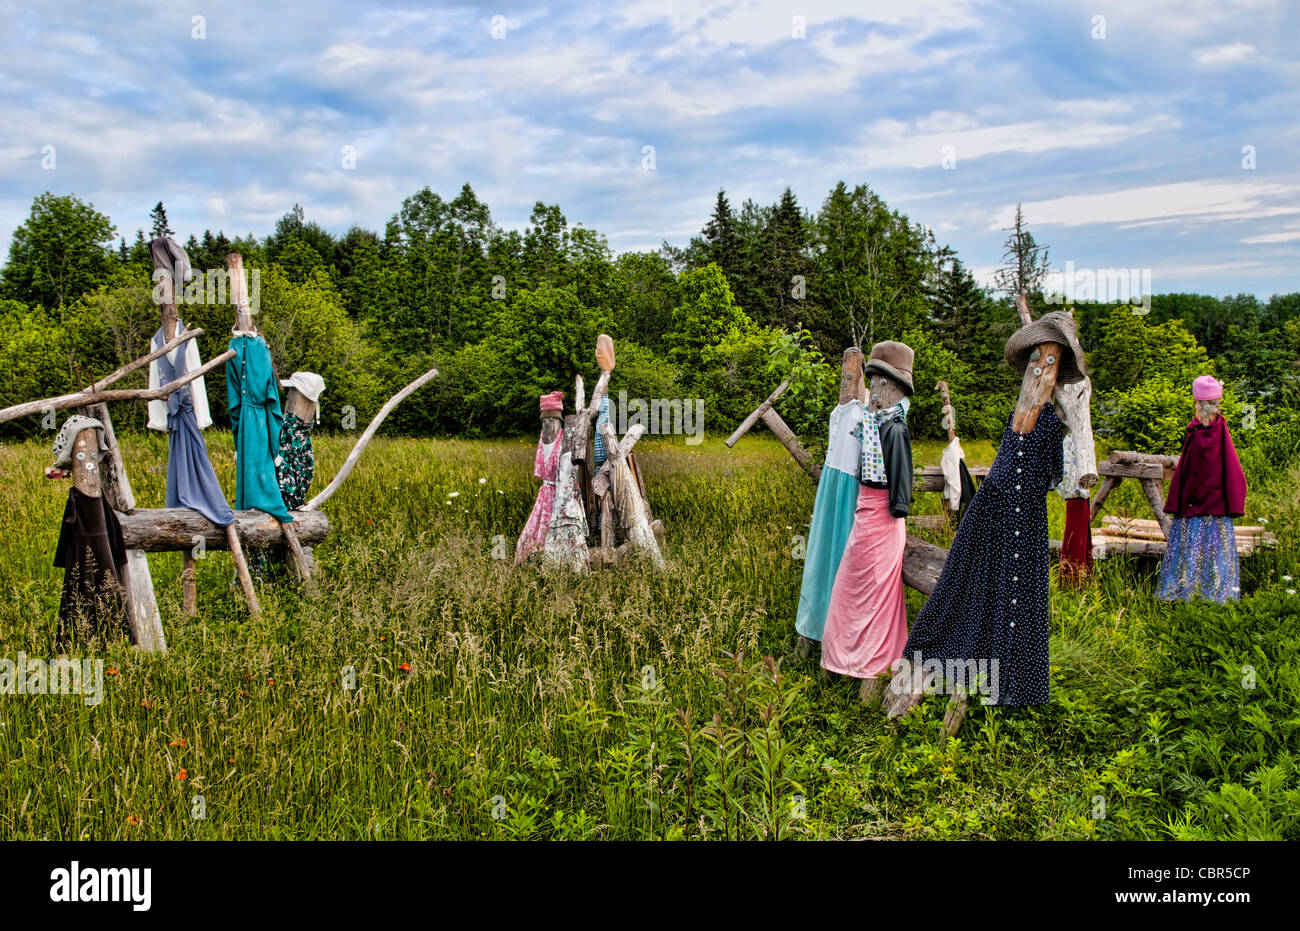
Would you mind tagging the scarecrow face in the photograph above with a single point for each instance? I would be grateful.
(1206, 411)
(884, 391)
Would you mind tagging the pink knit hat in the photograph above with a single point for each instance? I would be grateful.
(1207, 388)
(553, 401)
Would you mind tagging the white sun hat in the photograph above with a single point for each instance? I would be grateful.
(309, 384)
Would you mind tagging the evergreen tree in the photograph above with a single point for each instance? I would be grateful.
(1025, 262)
(158, 217)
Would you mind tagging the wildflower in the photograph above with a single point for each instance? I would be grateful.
(382, 639)
(1286, 578)
(453, 494)
(132, 819)
(1290, 591)
(482, 480)
(404, 667)
(112, 670)
(182, 775)
(270, 682)
(179, 742)
(146, 704)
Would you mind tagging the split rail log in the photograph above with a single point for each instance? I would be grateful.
(162, 530)
(781, 430)
(351, 462)
(88, 397)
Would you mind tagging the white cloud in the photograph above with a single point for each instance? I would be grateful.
(1186, 200)
(1233, 54)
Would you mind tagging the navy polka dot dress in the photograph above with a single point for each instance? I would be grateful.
(991, 603)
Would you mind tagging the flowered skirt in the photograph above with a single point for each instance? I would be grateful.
(1201, 560)
(297, 461)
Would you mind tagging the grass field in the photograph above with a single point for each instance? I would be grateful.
(496, 702)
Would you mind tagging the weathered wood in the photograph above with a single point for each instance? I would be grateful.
(239, 291)
(143, 618)
(783, 433)
(1074, 402)
(297, 561)
(600, 484)
(922, 564)
(86, 398)
(758, 412)
(1128, 524)
(607, 522)
(949, 415)
(1107, 485)
(956, 714)
(160, 530)
(298, 404)
(1037, 386)
(853, 377)
(1155, 493)
(1131, 469)
(85, 465)
(930, 478)
(80, 398)
(190, 595)
(628, 503)
(588, 415)
(117, 487)
(241, 569)
(351, 462)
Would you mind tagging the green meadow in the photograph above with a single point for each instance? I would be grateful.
(496, 702)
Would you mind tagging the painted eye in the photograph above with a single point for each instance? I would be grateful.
(1051, 359)
(90, 467)
(81, 455)
(1037, 370)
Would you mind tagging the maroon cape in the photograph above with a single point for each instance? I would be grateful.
(1208, 480)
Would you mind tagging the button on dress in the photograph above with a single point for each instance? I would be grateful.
(991, 603)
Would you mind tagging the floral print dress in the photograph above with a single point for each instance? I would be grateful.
(546, 466)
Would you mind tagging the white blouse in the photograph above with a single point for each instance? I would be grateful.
(198, 392)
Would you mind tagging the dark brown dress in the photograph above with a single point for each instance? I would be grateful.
(93, 557)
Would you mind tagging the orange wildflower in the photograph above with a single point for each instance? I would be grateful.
(182, 775)
(132, 819)
(179, 742)
(404, 667)
(112, 670)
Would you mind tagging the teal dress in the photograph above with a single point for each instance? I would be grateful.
(255, 418)
(832, 519)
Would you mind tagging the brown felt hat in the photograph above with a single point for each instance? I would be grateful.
(895, 360)
(1055, 327)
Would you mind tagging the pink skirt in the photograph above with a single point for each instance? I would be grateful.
(866, 623)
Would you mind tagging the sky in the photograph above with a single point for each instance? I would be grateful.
(1159, 135)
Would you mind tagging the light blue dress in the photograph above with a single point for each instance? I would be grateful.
(191, 482)
(832, 518)
(255, 418)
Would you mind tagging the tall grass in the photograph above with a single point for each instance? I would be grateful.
(500, 702)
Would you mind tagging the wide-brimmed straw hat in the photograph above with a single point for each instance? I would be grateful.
(1055, 327)
(895, 360)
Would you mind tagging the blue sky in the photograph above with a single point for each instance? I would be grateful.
(1126, 150)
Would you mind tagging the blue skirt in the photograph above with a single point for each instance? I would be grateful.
(832, 520)
(1201, 559)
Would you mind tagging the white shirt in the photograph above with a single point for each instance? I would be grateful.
(845, 448)
(198, 392)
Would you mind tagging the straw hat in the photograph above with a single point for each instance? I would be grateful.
(1055, 327)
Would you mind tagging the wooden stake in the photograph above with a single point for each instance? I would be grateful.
(297, 559)
(141, 604)
(188, 588)
(241, 569)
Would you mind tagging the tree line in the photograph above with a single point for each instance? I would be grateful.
(762, 293)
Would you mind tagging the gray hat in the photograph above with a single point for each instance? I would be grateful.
(1055, 327)
(895, 360)
(68, 435)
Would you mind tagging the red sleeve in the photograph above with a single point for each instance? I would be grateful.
(1234, 477)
